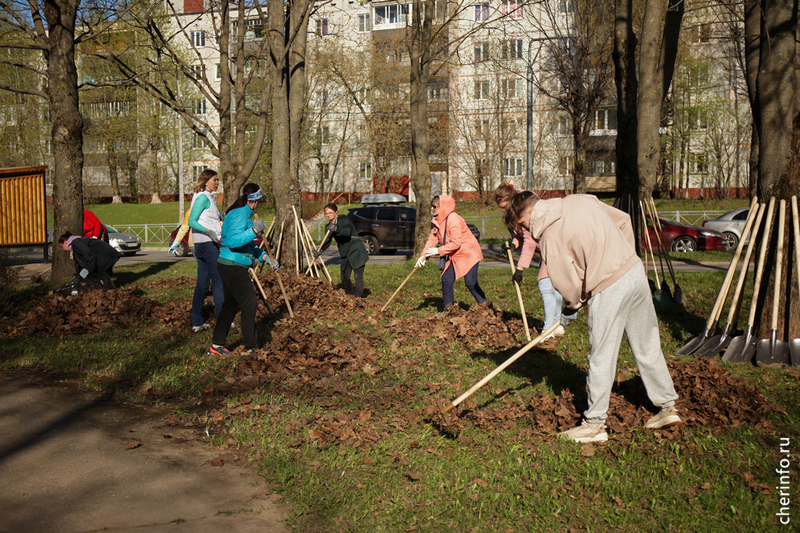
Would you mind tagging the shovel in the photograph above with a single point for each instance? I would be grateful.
(773, 350)
(743, 347)
(502, 367)
(794, 344)
(659, 298)
(711, 325)
(678, 296)
(717, 343)
(659, 238)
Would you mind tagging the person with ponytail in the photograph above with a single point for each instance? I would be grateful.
(237, 255)
(206, 225)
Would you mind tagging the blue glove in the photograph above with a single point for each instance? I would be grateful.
(83, 273)
(173, 247)
(567, 316)
(259, 226)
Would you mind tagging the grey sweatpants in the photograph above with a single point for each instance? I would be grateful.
(626, 306)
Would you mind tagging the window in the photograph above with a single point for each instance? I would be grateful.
(565, 165)
(197, 142)
(324, 134)
(605, 119)
(198, 38)
(365, 171)
(388, 213)
(395, 15)
(218, 75)
(564, 125)
(512, 49)
(511, 88)
(512, 167)
(200, 106)
(566, 6)
(198, 71)
(696, 119)
(512, 9)
(437, 90)
(481, 51)
(363, 23)
(481, 12)
(481, 128)
(323, 171)
(698, 75)
(322, 26)
(698, 164)
(362, 95)
(481, 89)
(508, 128)
(323, 98)
(702, 33)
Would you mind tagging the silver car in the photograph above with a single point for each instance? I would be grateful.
(731, 225)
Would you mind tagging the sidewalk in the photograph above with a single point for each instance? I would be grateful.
(74, 461)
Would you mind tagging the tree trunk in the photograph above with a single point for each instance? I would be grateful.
(579, 151)
(420, 75)
(627, 91)
(67, 132)
(113, 175)
(752, 53)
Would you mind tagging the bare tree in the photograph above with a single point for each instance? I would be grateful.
(49, 28)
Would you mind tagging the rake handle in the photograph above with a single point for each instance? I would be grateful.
(651, 208)
(519, 294)
(502, 367)
(647, 238)
(261, 289)
(398, 290)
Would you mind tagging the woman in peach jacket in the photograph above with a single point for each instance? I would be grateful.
(455, 246)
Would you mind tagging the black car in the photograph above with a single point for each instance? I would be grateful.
(385, 226)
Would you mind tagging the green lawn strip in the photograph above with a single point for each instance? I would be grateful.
(414, 476)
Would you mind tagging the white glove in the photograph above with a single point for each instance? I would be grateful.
(213, 236)
(430, 252)
(84, 273)
(420, 262)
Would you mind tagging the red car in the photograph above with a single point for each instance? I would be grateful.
(680, 238)
(183, 248)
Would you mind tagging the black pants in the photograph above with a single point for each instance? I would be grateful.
(348, 285)
(239, 296)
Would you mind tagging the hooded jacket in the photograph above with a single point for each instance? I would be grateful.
(351, 248)
(461, 247)
(586, 244)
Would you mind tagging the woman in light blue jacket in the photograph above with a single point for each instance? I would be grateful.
(237, 255)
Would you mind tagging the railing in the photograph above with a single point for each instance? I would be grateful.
(490, 227)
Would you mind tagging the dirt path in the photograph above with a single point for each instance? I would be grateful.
(73, 461)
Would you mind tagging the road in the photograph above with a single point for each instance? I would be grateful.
(32, 259)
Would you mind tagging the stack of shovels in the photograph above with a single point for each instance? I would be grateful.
(662, 295)
(742, 348)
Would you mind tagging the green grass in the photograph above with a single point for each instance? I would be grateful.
(505, 476)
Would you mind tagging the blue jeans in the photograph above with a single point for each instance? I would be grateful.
(206, 254)
(470, 280)
(552, 303)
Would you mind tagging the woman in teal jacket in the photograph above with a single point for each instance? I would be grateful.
(237, 254)
(351, 249)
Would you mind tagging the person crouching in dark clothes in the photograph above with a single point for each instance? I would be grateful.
(95, 258)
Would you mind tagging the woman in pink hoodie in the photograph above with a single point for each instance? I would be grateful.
(456, 247)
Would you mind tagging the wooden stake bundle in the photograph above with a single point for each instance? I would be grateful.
(315, 258)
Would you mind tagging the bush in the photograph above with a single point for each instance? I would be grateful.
(9, 278)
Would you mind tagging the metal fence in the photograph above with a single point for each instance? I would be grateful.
(491, 227)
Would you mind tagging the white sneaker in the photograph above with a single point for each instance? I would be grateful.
(201, 327)
(667, 417)
(586, 432)
(558, 332)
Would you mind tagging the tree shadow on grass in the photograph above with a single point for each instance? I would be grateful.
(122, 279)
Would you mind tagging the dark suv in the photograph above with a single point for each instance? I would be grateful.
(385, 226)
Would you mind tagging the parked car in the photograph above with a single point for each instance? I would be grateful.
(183, 248)
(731, 225)
(124, 243)
(680, 238)
(385, 226)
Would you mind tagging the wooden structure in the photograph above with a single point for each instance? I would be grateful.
(23, 214)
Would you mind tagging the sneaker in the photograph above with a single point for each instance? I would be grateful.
(559, 332)
(219, 351)
(251, 351)
(667, 417)
(586, 432)
(201, 327)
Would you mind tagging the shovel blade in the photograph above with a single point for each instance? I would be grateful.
(772, 351)
(741, 348)
(794, 351)
(715, 344)
(661, 299)
(694, 343)
(680, 298)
